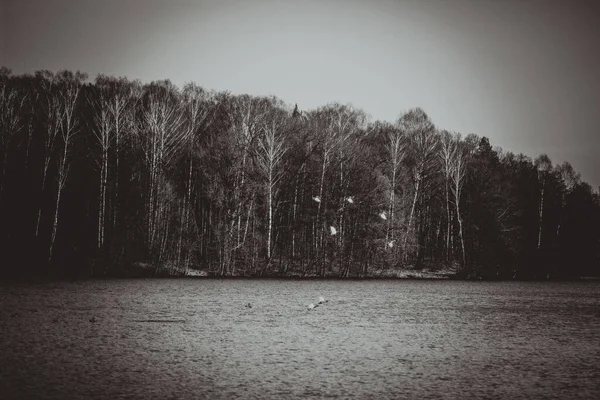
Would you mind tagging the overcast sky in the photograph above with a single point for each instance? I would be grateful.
(522, 72)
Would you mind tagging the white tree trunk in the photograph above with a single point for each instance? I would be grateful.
(539, 244)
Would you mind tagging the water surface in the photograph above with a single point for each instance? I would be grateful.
(177, 338)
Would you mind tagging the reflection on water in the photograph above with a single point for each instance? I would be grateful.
(376, 339)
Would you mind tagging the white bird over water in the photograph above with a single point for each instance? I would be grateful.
(317, 199)
(382, 215)
(322, 300)
(332, 230)
(311, 306)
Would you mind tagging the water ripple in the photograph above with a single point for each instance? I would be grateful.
(197, 339)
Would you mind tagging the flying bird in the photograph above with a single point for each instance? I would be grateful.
(317, 199)
(332, 230)
(383, 216)
(350, 200)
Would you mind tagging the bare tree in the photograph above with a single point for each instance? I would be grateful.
(67, 122)
(197, 107)
(570, 178)
(103, 133)
(337, 125)
(395, 147)
(459, 153)
(113, 103)
(53, 115)
(248, 115)
(121, 107)
(420, 133)
(162, 137)
(447, 153)
(12, 103)
(270, 153)
(544, 166)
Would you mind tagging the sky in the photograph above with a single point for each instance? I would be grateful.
(524, 73)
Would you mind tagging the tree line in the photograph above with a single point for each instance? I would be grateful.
(113, 176)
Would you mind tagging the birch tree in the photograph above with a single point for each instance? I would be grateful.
(52, 110)
(457, 169)
(113, 103)
(348, 124)
(271, 149)
(396, 153)
(12, 104)
(161, 140)
(102, 131)
(447, 154)
(121, 107)
(197, 108)
(67, 127)
(543, 166)
(247, 116)
(336, 124)
(570, 179)
(420, 133)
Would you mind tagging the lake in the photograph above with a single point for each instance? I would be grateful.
(197, 339)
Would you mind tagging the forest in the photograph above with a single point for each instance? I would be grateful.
(113, 177)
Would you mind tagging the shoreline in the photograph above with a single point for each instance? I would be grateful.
(405, 275)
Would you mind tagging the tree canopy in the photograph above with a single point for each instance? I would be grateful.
(115, 176)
